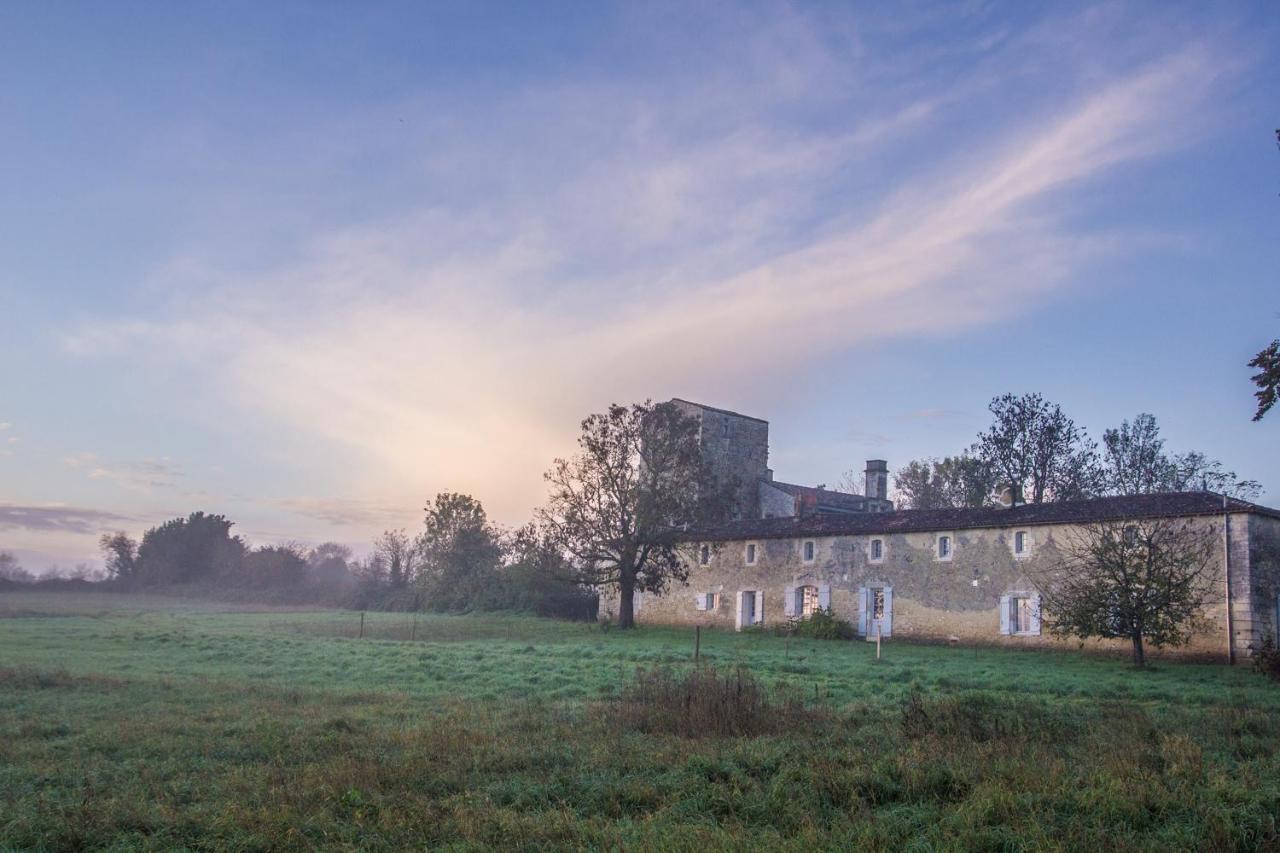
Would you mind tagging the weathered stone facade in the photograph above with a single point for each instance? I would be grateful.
(962, 595)
(736, 447)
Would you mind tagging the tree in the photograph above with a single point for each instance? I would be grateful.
(276, 566)
(120, 554)
(397, 559)
(330, 562)
(10, 570)
(1267, 378)
(1142, 581)
(459, 552)
(617, 509)
(1039, 451)
(186, 550)
(1134, 463)
(954, 481)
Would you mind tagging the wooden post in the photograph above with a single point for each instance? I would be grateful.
(413, 632)
(786, 647)
(877, 642)
(361, 624)
(697, 642)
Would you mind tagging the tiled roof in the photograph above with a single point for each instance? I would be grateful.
(1172, 504)
(825, 497)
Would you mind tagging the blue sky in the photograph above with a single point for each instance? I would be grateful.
(309, 264)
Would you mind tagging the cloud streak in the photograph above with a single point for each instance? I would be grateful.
(455, 345)
(58, 518)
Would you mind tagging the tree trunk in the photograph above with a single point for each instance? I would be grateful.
(1139, 654)
(626, 599)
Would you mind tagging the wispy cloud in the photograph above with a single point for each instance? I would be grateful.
(58, 518)
(643, 246)
(346, 512)
(137, 474)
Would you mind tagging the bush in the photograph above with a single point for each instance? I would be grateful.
(704, 703)
(821, 625)
(1266, 660)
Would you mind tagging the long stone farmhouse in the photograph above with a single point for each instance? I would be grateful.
(945, 575)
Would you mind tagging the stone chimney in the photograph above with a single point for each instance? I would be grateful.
(877, 479)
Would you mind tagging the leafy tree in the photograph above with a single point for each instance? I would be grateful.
(1267, 378)
(396, 558)
(277, 566)
(330, 562)
(1142, 581)
(1134, 462)
(1038, 450)
(459, 553)
(617, 508)
(954, 481)
(120, 554)
(186, 550)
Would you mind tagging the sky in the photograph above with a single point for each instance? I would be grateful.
(309, 264)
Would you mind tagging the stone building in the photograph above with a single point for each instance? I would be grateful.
(958, 574)
(737, 447)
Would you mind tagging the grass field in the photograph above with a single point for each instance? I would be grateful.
(128, 722)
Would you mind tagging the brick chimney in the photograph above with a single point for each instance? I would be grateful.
(877, 479)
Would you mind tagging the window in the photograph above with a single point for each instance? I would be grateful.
(810, 551)
(1131, 535)
(877, 604)
(944, 547)
(704, 555)
(877, 550)
(1021, 544)
(875, 610)
(809, 602)
(1020, 614)
(708, 601)
(751, 553)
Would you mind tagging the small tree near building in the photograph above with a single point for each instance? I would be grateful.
(1142, 581)
(618, 507)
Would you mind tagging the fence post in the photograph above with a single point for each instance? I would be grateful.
(877, 642)
(697, 642)
(362, 624)
(413, 632)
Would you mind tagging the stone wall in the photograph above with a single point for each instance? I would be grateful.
(1264, 576)
(736, 446)
(935, 599)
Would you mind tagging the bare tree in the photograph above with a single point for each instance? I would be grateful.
(618, 507)
(120, 554)
(10, 570)
(397, 557)
(1134, 462)
(1142, 581)
(1038, 450)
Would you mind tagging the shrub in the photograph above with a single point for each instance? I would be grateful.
(821, 625)
(1266, 660)
(705, 703)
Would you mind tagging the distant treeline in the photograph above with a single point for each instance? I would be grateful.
(460, 561)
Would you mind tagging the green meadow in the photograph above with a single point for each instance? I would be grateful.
(149, 723)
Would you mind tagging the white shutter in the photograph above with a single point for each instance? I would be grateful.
(737, 616)
(886, 624)
(759, 608)
(862, 611)
(699, 601)
(789, 601)
(1035, 615)
(1004, 614)
(637, 599)
(824, 596)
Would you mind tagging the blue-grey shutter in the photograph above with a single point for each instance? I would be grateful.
(1035, 615)
(862, 611)
(824, 596)
(789, 601)
(1004, 614)
(886, 624)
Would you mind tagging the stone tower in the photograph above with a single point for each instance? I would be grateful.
(735, 446)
